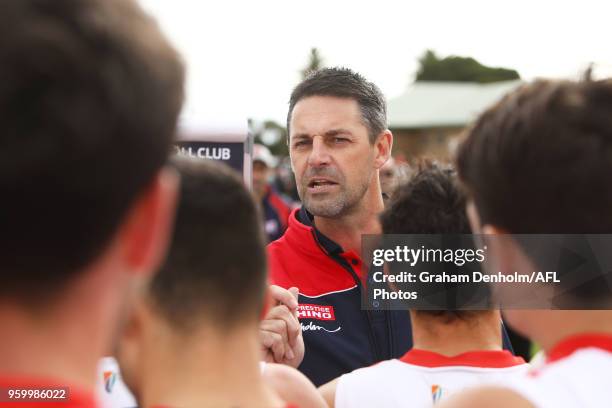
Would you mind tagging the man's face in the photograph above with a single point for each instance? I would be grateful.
(389, 178)
(260, 178)
(331, 155)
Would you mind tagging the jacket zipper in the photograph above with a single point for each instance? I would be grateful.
(342, 262)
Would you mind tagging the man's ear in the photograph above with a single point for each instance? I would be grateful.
(496, 240)
(473, 217)
(132, 330)
(129, 352)
(383, 145)
(505, 254)
(147, 230)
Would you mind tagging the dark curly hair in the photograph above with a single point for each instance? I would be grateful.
(431, 202)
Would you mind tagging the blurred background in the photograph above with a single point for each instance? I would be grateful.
(438, 62)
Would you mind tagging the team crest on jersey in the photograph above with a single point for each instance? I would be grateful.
(110, 378)
(318, 312)
(436, 393)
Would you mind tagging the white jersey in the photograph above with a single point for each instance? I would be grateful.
(421, 378)
(111, 391)
(578, 374)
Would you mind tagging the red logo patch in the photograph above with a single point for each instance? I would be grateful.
(306, 311)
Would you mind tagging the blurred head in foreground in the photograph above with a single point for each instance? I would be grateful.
(90, 92)
(197, 320)
(540, 161)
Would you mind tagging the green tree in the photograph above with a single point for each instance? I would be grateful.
(315, 62)
(462, 69)
(271, 134)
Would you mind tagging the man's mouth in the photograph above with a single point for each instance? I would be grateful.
(320, 184)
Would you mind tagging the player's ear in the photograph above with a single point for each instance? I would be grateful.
(130, 346)
(503, 251)
(147, 229)
(473, 217)
(383, 146)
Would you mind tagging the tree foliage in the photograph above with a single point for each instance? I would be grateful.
(462, 69)
(315, 62)
(273, 135)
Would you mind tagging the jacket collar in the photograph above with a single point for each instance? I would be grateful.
(327, 244)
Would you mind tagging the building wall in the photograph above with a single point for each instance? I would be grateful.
(435, 143)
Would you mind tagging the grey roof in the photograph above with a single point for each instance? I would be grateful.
(444, 104)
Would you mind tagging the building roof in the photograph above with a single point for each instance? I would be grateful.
(427, 104)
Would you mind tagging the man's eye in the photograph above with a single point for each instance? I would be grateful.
(340, 139)
(300, 143)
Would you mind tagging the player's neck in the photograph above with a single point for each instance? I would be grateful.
(347, 230)
(450, 339)
(206, 370)
(563, 324)
(64, 339)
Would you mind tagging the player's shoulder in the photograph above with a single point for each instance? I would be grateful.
(292, 385)
(280, 248)
(381, 367)
(282, 375)
(584, 366)
(557, 384)
(382, 384)
(486, 397)
(571, 378)
(388, 370)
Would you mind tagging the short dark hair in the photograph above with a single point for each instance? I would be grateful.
(216, 266)
(344, 83)
(540, 160)
(90, 92)
(431, 202)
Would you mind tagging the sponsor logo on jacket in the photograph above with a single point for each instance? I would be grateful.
(318, 312)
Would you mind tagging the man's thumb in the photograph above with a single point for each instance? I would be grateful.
(295, 292)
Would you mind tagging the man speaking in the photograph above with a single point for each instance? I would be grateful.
(338, 141)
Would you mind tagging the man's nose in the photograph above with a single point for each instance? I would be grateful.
(319, 155)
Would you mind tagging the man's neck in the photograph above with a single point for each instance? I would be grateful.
(347, 230)
(66, 337)
(558, 325)
(260, 194)
(478, 333)
(58, 347)
(205, 370)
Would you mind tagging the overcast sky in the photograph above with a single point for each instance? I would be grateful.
(244, 57)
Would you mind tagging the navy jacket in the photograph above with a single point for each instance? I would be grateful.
(338, 335)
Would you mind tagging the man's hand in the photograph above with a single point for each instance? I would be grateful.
(280, 331)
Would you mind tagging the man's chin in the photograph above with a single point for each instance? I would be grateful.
(323, 208)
